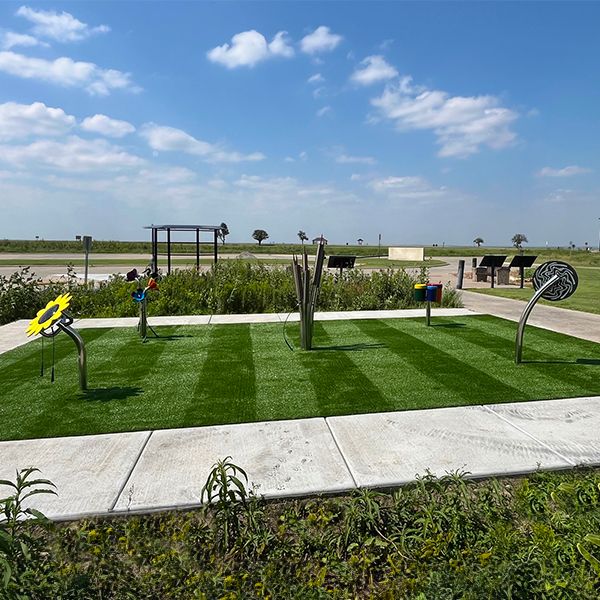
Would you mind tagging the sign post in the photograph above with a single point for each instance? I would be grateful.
(522, 262)
(494, 261)
(87, 246)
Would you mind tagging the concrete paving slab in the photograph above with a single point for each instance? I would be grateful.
(13, 335)
(252, 318)
(408, 313)
(180, 320)
(106, 323)
(88, 471)
(282, 458)
(570, 427)
(390, 449)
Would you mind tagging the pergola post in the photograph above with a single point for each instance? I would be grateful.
(197, 249)
(154, 249)
(168, 251)
(215, 246)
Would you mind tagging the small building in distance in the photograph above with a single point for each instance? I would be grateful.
(319, 239)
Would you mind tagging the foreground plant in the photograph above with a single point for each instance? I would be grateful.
(225, 490)
(17, 544)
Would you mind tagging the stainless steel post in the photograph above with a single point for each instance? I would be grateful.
(525, 316)
(74, 335)
(461, 274)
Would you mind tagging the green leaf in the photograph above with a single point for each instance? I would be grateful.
(594, 562)
(7, 573)
(592, 538)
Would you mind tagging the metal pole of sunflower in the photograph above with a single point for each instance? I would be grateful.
(50, 321)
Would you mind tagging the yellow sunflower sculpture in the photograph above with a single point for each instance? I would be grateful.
(49, 315)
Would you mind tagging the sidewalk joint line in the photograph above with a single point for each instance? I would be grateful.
(568, 460)
(130, 472)
(326, 419)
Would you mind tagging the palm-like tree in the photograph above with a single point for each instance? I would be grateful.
(478, 241)
(303, 237)
(518, 239)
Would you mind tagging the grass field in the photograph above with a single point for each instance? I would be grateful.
(240, 373)
(586, 298)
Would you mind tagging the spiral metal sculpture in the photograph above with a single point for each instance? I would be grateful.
(564, 287)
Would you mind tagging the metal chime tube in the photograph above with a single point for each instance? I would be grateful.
(307, 293)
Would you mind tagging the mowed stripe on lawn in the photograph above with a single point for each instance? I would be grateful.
(340, 386)
(445, 378)
(225, 389)
(494, 342)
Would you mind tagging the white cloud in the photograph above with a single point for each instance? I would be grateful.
(67, 73)
(462, 124)
(279, 45)
(345, 159)
(289, 159)
(10, 39)
(316, 78)
(564, 172)
(374, 69)
(248, 48)
(18, 121)
(169, 139)
(323, 111)
(106, 126)
(73, 154)
(62, 27)
(320, 40)
(408, 187)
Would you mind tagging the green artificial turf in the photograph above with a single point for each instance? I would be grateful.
(215, 374)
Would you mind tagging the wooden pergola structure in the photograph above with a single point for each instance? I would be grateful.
(215, 229)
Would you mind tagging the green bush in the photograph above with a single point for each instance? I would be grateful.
(433, 540)
(230, 287)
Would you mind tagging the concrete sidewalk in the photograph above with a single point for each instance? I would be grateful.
(156, 470)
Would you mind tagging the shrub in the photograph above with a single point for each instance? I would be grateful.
(231, 287)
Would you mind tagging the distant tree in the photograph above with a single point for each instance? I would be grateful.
(303, 237)
(224, 232)
(518, 239)
(260, 235)
(478, 241)
(360, 241)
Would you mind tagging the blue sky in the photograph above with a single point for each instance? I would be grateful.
(425, 122)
